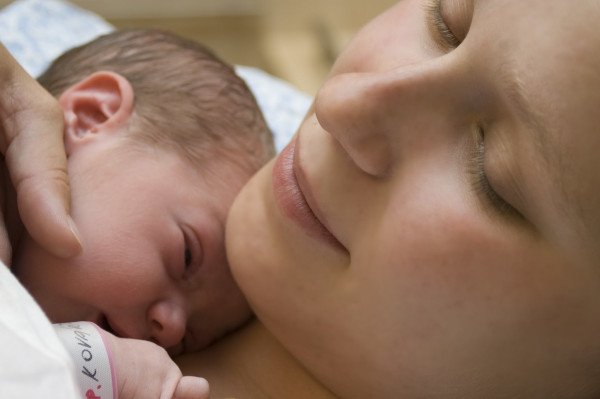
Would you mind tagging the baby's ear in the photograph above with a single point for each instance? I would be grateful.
(96, 108)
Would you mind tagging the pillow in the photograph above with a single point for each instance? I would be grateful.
(37, 31)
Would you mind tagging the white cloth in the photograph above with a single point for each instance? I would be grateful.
(33, 362)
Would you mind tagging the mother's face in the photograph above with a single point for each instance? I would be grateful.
(431, 230)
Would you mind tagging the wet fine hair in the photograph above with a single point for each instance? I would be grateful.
(186, 98)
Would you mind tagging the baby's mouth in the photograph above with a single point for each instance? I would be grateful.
(104, 323)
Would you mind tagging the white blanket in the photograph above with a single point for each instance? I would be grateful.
(33, 362)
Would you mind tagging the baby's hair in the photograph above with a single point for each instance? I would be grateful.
(186, 98)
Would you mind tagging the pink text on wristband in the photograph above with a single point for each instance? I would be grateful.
(92, 358)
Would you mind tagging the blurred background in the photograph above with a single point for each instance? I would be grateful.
(294, 40)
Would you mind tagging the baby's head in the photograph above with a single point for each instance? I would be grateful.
(186, 98)
(160, 136)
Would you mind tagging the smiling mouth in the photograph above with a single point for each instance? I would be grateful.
(293, 201)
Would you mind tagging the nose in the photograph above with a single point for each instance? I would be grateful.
(167, 321)
(374, 115)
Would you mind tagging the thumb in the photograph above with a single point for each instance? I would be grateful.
(32, 126)
(192, 388)
(43, 197)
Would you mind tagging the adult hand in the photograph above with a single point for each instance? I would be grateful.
(31, 140)
(145, 370)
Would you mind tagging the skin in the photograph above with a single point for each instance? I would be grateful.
(31, 122)
(424, 283)
(431, 291)
(137, 209)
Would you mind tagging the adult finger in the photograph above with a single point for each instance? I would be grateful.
(32, 124)
(5, 247)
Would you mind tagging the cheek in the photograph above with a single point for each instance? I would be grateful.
(448, 261)
(27, 257)
(462, 295)
(123, 240)
(458, 279)
(59, 286)
(121, 262)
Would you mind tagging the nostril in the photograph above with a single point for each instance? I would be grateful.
(156, 326)
(166, 323)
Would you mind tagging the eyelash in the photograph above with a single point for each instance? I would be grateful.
(189, 267)
(193, 255)
(436, 20)
(187, 257)
(481, 184)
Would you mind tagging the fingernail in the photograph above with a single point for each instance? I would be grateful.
(75, 234)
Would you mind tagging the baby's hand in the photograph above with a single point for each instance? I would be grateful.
(144, 370)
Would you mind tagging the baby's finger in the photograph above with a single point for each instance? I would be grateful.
(192, 388)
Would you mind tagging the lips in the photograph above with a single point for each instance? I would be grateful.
(292, 199)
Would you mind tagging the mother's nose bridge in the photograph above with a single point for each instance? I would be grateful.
(368, 113)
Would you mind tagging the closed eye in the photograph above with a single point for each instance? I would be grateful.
(192, 253)
(481, 184)
(443, 35)
(188, 257)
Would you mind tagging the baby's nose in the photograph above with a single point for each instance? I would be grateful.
(167, 323)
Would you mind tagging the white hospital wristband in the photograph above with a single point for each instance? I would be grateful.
(91, 354)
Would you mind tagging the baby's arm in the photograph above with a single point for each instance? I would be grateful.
(140, 369)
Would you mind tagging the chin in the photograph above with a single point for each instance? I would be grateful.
(248, 227)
